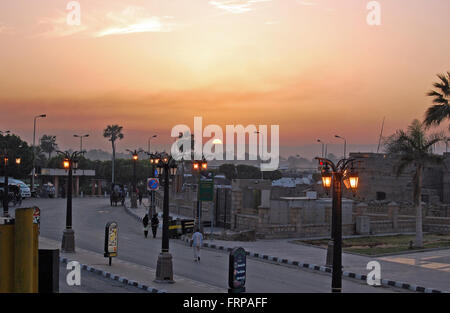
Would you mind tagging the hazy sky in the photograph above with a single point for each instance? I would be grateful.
(314, 67)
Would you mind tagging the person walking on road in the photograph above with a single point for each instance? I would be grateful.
(197, 241)
(155, 222)
(145, 223)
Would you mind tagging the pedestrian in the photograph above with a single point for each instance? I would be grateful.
(145, 223)
(197, 241)
(155, 222)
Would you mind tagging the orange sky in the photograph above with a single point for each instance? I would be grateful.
(313, 67)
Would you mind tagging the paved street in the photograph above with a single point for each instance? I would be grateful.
(91, 214)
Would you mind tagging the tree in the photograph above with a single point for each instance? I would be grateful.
(229, 170)
(48, 144)
(14, 147)
(113, 132)
(441, 109)
(413, 147)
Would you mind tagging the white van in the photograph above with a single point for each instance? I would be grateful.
(24, 189)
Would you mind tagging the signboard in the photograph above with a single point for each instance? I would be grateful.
(206, 190)
(237, 270)
(111, 240)
(152, 184)
(37, 217)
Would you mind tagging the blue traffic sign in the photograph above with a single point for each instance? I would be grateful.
(153, 184)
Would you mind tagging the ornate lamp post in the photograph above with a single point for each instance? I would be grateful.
(135, 158)
(166, 167)
(5, 161)
(199, 166)
(332, 178)
(70, 163)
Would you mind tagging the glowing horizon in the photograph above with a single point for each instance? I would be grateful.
(313, 67)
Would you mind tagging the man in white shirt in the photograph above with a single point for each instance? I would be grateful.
(197, 241)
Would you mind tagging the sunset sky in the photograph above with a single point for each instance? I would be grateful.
(314, 67)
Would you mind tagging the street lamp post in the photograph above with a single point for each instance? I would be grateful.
(167, 168)
(153, 162)
(70, 162)
(323, 146)
(33, 171)
(199, 166)
(149, 139)
(332, 177)
(345, 145)
(81, 140)
(135, 157)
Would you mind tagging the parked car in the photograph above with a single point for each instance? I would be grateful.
(48, 191)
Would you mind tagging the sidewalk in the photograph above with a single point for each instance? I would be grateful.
(128, 273)
(419, 271)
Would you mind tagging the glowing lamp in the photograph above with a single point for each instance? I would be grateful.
(18, 160)
(196, 166)
(66, 163)
(204, 165)
(326, 180)
(135, 157)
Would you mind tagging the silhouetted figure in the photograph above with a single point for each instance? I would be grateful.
(155, 223)
(145, 223)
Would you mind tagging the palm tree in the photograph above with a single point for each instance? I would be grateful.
(441, 109)
(113, 132)
(48, 144)
(413, 147)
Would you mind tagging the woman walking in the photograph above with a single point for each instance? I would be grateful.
(145, 223)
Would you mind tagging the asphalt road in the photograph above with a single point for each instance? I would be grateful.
(90, 216)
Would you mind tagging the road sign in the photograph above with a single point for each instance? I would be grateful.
(206, 190)
(152, 184)
(111, 240)
(237, 270)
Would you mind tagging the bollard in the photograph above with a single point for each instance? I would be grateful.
(7, 257)
(24, 254)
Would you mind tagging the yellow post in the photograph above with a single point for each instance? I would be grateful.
(23, 251)
(6, 258)
(35, 258)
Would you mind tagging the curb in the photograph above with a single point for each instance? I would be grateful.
(111, 276)
(133, 214)
(385, 282)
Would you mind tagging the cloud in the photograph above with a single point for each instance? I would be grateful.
(132, 19)
(307, 3)
(57, 26)
(235, 6)
(5, 29)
